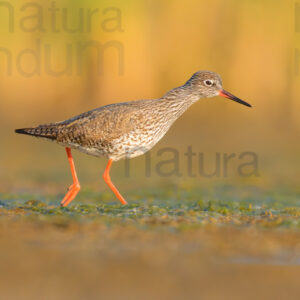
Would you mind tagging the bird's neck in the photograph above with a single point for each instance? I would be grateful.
(180, 99)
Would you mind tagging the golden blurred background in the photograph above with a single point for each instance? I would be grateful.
(58, 59)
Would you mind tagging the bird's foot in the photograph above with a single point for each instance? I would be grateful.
(71, 194)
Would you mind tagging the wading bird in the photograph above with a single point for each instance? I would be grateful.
(128, 129)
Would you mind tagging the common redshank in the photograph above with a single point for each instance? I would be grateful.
(128, 129)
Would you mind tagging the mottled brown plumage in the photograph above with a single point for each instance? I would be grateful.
(131, 128)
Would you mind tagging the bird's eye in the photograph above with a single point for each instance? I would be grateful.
(208, 82)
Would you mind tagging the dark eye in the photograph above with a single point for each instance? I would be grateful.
(208, 82)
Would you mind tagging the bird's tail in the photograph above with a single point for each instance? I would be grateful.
(48, 131)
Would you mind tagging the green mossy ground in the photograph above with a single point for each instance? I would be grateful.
(180, 209)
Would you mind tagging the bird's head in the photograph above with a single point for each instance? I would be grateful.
(209, 84)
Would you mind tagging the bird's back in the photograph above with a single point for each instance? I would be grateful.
(112, 130)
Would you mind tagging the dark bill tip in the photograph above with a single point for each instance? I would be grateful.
(226, 94)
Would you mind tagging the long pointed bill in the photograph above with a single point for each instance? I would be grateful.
(226, 94)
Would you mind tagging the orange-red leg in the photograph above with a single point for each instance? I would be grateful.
(75, 187)
(107, 179)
